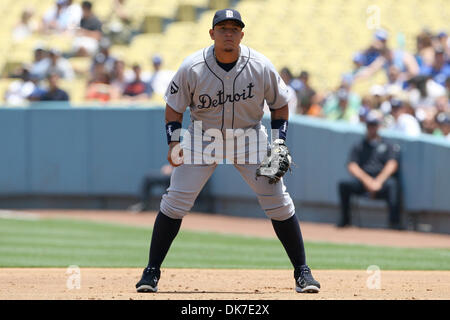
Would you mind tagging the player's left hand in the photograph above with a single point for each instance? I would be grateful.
(277, 163)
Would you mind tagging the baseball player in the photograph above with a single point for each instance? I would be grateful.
(226, 87)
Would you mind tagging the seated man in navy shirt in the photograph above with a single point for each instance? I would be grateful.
(137, 89)
(54, 93)
(373, 163)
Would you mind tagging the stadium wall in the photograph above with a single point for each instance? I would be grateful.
(95, 157)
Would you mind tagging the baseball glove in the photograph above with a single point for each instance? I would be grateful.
(276, 163)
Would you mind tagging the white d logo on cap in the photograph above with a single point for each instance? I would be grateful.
(229, 14)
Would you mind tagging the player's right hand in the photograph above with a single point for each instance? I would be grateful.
(175, 154)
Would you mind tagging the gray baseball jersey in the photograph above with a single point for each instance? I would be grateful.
(226, 100)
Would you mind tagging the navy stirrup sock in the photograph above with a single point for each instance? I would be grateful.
(164, 232)
(288, 231)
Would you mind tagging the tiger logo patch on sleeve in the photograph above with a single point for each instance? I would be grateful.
(174, 88)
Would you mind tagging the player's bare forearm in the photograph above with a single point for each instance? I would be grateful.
(172, 115)
(280, 114)
(389, 169)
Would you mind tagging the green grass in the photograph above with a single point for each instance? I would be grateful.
(60, 243)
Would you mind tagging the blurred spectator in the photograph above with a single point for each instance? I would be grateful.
(342, 105)
(315, 109)
(52, 20)
(439, 71)
(425, 50)
(54, 92)
(287, 77)
(40, 64)
(393, 90)
(429, 124)
(443, 124)
(90, 32)
(19, 90)
(137, 89)
(444, 42)
(395, 77)
(367, 104)
(70, 16)
(55, 63)
(427, 116)
(373, 163)
(379, 43)
(447, 87)
(442, 104)
(403, 60)
(104, 56)
(25, 27)
(118, 78)
(305, 97)
(423, 92)
(291, 81)
(38, 90)
(403, 120)
(359, 61)
(346, 82)
(99, 87)
(377, 91)
(117, 26)
(160, 79)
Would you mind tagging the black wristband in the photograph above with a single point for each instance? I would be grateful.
(172, 131)
(282, 126)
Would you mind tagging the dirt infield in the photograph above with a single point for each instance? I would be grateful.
(194, 284)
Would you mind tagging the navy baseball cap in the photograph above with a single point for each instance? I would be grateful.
(227, 14)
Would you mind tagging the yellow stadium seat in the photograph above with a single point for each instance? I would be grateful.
(315, 35)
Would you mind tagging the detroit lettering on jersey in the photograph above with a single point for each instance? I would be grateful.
(226, 99)
(207, 102)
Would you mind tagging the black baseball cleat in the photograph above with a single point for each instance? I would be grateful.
(149, 280)
(304, 281)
